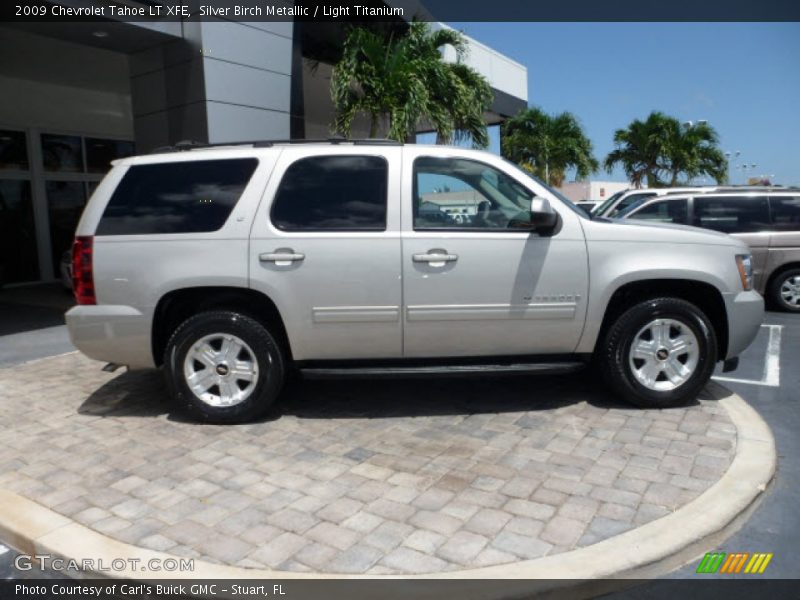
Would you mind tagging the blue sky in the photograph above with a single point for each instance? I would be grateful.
(744, 78)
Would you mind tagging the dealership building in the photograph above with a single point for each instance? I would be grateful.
(77, 95)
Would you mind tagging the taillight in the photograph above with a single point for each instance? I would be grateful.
(82, 276)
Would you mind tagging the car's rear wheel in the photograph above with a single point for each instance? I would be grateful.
(785, 290)
(659, 353)
(224, 367)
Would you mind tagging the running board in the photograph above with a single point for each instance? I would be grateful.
(522, 368)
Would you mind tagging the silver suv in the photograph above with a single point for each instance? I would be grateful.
(619, 202)
(768, 221)
(230, 265)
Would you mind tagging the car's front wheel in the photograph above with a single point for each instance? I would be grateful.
(785, 290)
(224, 367)
(659, 353)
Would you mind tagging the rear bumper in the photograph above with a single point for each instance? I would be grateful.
(112, 333)
(745, 314)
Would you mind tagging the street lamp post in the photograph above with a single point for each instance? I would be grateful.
(735, 156)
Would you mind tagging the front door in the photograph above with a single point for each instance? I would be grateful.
(475, 281)
(325, 248)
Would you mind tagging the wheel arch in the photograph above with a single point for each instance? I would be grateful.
(174, 307)
(702, 294)
(777, 272)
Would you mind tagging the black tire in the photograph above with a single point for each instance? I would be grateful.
(266, 351)
(614, 352)
(775, 290)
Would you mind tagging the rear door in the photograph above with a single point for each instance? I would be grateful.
(325, 247)
(744, 217)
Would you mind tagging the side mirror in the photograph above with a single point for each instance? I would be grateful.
(543, 218)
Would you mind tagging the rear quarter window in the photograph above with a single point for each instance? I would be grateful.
(333, 193)
(176, 197)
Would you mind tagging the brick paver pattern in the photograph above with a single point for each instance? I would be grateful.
(355, 476)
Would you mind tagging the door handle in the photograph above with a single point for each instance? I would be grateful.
(281, 258)
(434, 259)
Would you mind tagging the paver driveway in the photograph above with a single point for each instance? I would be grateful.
(355, 476)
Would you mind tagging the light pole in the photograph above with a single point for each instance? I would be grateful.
(735, 157)
(752, 168)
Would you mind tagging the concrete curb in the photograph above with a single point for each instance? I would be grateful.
(647, 551)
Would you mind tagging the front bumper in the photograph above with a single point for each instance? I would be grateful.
(745, 314)
(112, 333)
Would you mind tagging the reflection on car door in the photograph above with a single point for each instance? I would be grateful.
(485, 287)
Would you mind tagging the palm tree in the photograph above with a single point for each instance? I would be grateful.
(659, 149)
(693, 150)
(548, 145)
(640, 149)
(401, 81)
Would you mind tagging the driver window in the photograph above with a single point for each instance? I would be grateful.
(456, 193)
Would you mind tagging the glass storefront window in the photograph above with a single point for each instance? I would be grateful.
(13, 150)
(65, 202)
(18, 256)
(62, 153)
(100, 153)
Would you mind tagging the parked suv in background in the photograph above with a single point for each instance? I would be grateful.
(619, 202)
(611, 207)
(768, 221)
(229, 265)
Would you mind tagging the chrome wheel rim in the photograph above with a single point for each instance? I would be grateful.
(664, 355)
(221, 370)
(790, 291)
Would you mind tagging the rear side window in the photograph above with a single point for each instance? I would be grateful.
(785, 213)
(731, 215)
(176, 197)
(332, 193)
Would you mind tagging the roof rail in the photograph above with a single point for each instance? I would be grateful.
(185, 145)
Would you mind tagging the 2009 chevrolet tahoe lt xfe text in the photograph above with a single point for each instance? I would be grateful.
(231, 265)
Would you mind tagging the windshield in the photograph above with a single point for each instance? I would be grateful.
(609, 202)
(626, 202)
(621, 214)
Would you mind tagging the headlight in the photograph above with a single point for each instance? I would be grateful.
(745, 264)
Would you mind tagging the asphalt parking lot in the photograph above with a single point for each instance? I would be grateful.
(767, 378)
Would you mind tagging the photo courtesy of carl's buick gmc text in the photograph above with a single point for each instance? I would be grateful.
(399, 299)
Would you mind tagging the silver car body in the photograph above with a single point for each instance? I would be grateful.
(361, 295)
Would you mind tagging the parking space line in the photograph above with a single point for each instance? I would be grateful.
(3, 549)
(772, 362)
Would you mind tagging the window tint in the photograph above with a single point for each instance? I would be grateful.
(785, 213)
(13, 150)
(454, 193)
(176, 197)
(344, 193)
(731, 214)
(62, 153)
(663, 211)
